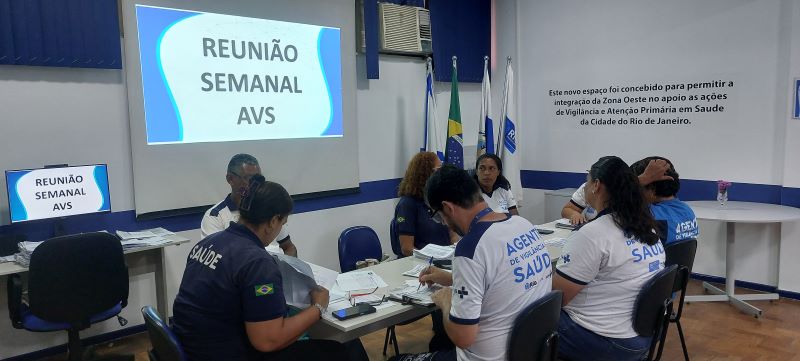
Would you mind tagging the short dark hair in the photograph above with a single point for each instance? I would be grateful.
(238, 161)
(662, 188)
(264, 200)
(451, 184)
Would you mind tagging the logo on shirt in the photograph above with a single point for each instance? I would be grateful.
(400, 219)
(564, 258)
(654, 266)
(264, 290)
(462, 292)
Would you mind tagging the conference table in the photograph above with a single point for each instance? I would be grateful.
(139, 260)
(730, 214)
(391, 272)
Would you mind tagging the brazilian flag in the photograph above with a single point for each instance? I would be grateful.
(263, 290)
(454, 148)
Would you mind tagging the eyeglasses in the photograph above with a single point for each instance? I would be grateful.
(435, 215)
(353, 298)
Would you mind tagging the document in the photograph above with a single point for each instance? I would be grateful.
(414, 293)
(298, 280)
(414, 272)
(143, 242)
(359, 280)
(435, 251)
(556, 242)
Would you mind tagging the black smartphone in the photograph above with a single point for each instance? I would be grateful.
(544, 231)
(443, 263)
(355, 311)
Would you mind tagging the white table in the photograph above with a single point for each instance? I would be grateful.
(391, 272)
(730, 214)
(147, 259)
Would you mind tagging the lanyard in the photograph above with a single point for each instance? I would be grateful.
(480, 215)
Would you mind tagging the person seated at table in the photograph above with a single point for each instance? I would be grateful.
(675, 220)
(485, 291)
(604, 265)
(241, 168)
(577, 211)
(415, 228)
(495, 188)
(231, 306)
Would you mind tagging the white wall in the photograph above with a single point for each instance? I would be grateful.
(567, 45)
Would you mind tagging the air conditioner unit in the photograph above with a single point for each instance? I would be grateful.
(404, 29)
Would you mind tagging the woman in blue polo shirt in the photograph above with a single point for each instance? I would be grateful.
(414, 225)
(230, 305)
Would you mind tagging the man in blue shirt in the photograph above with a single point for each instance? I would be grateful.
(675, 219)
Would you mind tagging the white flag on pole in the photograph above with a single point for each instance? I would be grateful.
(434, 137)
(485, 123)
(507, 141)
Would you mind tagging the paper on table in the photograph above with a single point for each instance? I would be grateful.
(435, 251)
(556, 242)
(420, 295)
(360, 280)
(414, 272)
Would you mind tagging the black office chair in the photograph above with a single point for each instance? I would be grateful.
(682, 255)
(8, 244)
(165, 345)
(653, 306)
(535, 332)
(73, 282)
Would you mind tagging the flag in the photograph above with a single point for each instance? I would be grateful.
(454, 151)
(507, 142)
(485, 124)
(433, 138)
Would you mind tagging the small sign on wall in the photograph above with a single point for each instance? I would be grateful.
(796, 97)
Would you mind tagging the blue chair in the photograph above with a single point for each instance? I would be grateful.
(165, 345)
(73, 282)
(357, 244)
(394, 238)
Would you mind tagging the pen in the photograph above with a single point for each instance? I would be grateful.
(430, 262)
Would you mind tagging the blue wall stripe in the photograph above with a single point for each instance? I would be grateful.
(691, 189)
(126, 220)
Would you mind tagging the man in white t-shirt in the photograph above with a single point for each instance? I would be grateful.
(500, 267)
(217, 218)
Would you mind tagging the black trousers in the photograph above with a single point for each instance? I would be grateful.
(313, 350)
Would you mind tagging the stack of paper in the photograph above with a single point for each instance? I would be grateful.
(414, 293)
(146, 238)
(25, 251)
(414, 272)
(435, 251)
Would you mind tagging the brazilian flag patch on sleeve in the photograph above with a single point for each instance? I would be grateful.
(264, 290)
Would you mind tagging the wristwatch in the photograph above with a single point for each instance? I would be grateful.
(320, 308)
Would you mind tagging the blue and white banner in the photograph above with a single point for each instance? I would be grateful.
(434, 136)
(57, 192)
(485, 123)
(215, 78)
(507, 142)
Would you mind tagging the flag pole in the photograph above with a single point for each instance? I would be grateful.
(504, 113)
(428, 70)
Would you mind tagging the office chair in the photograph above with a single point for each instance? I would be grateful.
(8, 244)
(653, 306)
(535, 332)
(73, 282)
(682, 255)
(394, 238)
(165, 345)
(357, 244)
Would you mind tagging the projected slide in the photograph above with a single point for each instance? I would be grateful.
(57, 192)
(216, 78)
